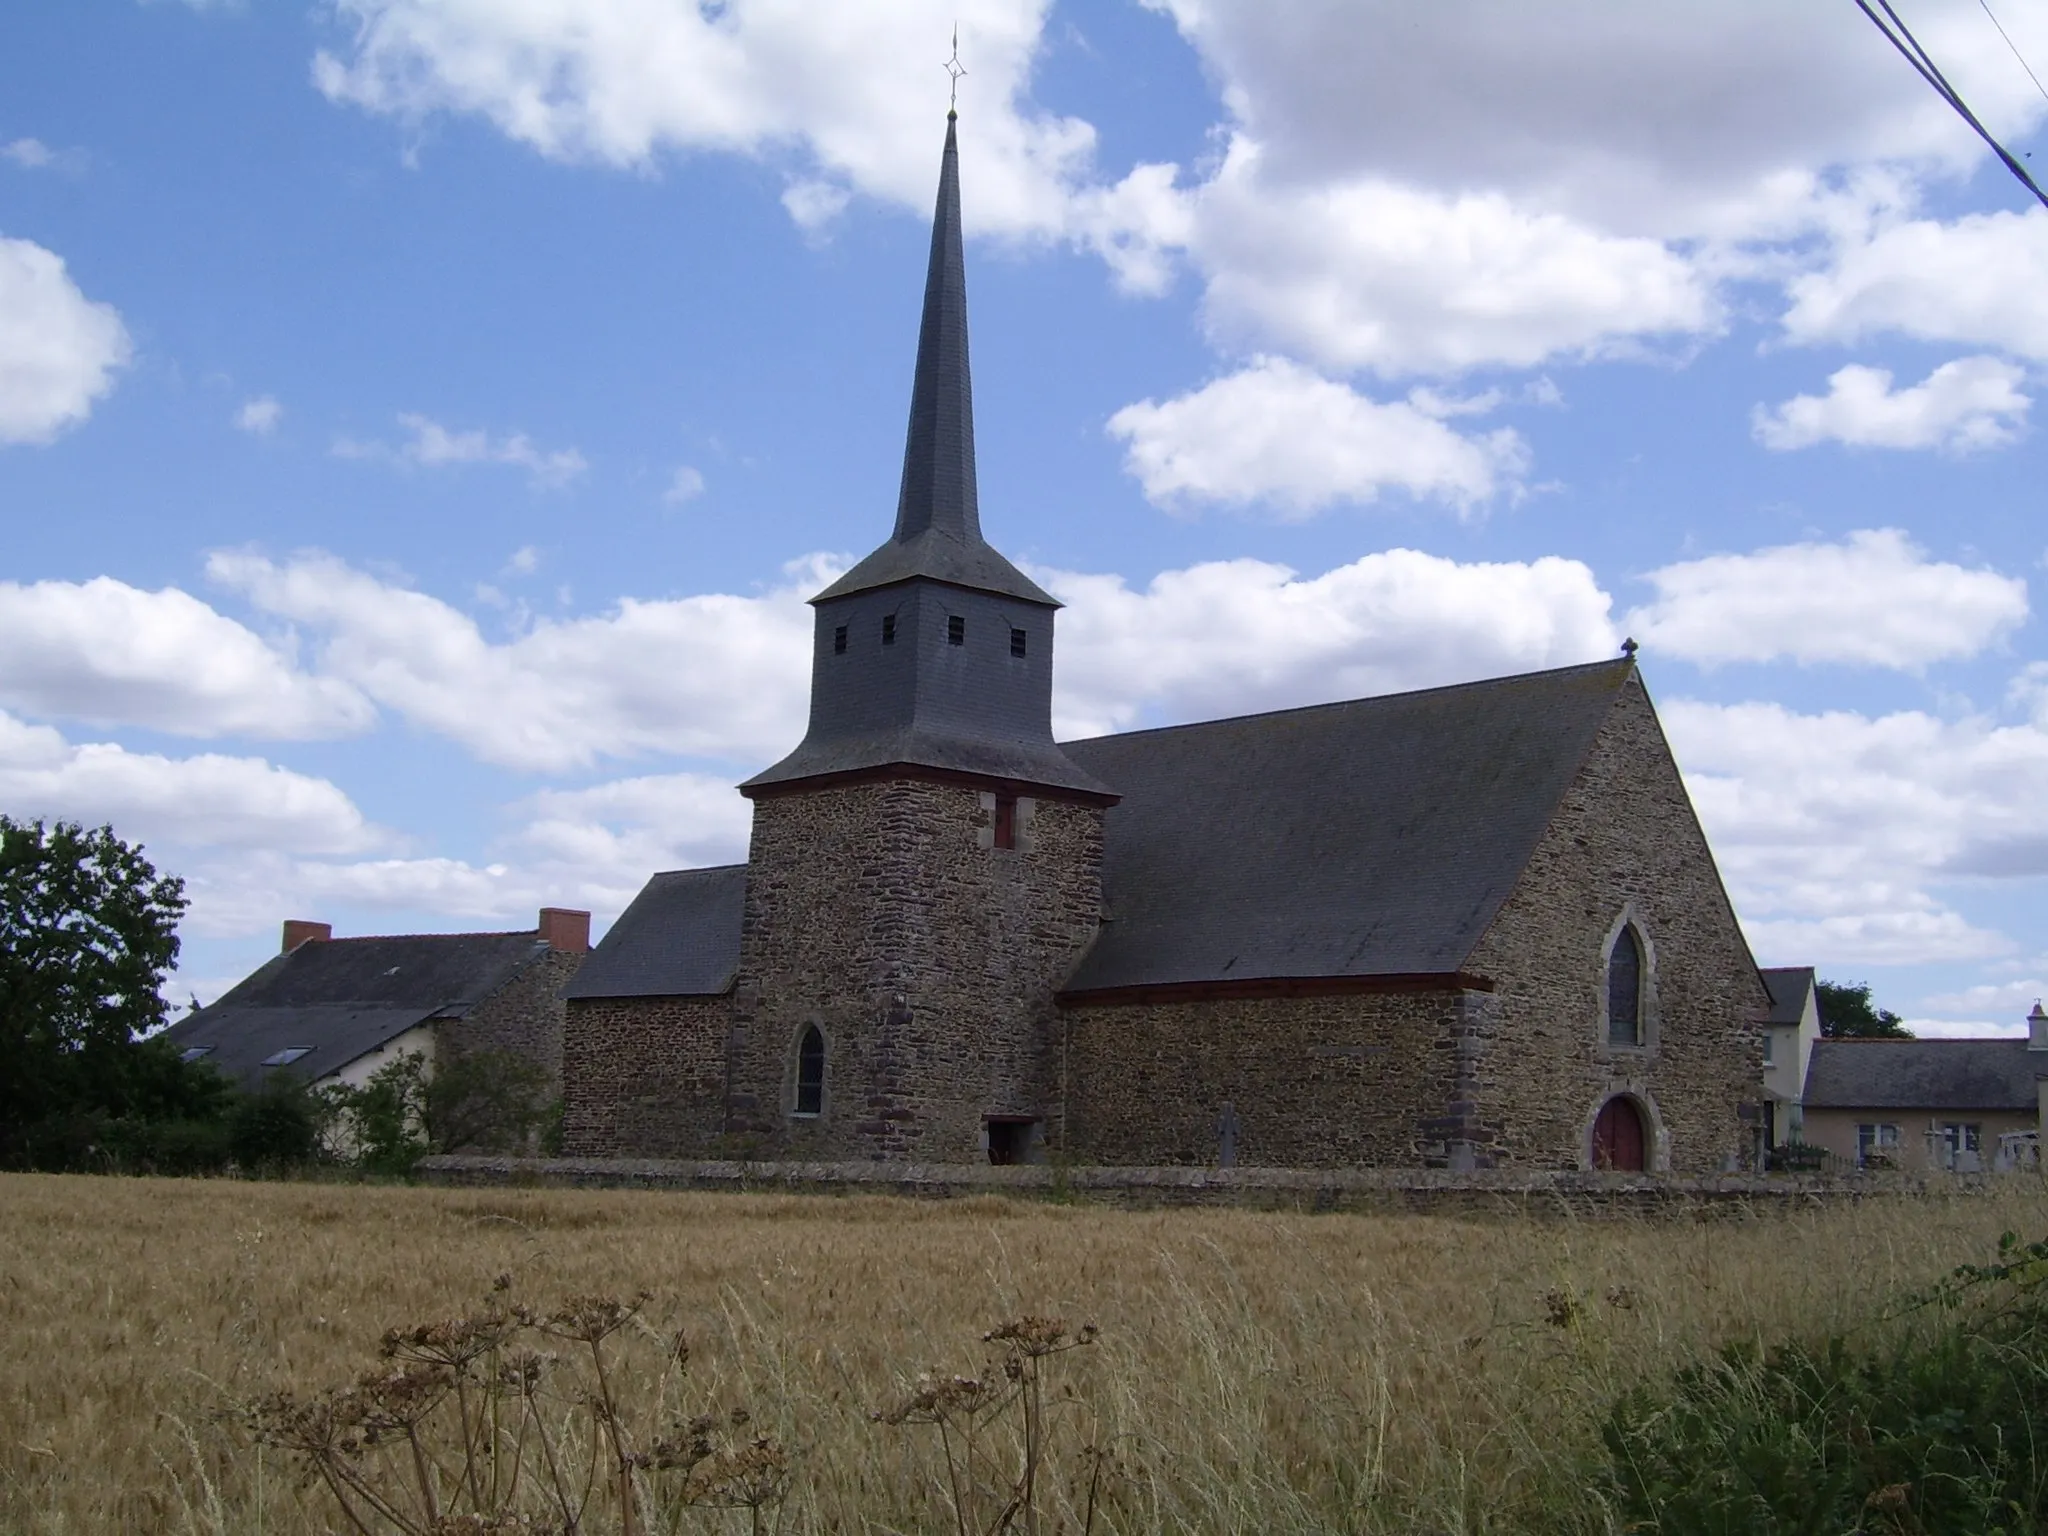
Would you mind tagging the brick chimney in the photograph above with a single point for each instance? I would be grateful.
(565, 930)
(2037, 1028)
(298, 931)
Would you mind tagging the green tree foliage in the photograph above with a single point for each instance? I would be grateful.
(1936, 1428)
(481, 1101)
(1846, 1012)
(88, 931)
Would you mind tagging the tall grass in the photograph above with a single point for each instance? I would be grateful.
(1252, 1371)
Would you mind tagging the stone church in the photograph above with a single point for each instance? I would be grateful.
(1469, 927)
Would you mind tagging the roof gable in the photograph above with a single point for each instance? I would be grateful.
(1790, 986)
(1376, 837)
(680, 937)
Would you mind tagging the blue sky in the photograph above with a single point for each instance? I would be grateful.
(421, 420)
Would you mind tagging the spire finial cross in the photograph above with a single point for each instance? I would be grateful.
(1628, 648)
(957, 71)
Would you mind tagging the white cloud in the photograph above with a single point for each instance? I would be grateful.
(1971, 403)
(30, 154)
(111, 654)
(1975, 280)
(58, 349)
(1837, 830)
(685, 485)
(1244, 635)
(210, 801)
(714, 675)
(259, 415)
(525, 560)
(433, 445)
(1873, 600)
(1279, 434)
(2007, 1002)
(616, 834)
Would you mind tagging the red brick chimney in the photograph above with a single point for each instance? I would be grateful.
(298, 931)
(565, 930)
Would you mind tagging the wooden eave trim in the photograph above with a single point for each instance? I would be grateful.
(926, 775)
(1273, 986)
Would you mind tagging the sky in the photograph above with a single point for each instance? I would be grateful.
(422, 421)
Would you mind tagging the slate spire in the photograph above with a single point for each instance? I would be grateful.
(938, 509)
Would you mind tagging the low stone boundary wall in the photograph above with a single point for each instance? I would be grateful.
(1490, 1192)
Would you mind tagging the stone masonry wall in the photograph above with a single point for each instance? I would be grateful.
(1625, 839)
(1358, 1080)
(523, 1017)
(861, 894)
(644, 1076)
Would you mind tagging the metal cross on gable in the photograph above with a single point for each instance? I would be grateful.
(956, 70)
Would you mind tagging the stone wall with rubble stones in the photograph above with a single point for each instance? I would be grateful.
(859, 894)
(1344, 1080)
(523, 1017)
(644, 1076)
(1624, 842)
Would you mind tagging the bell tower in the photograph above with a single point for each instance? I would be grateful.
(926, 865)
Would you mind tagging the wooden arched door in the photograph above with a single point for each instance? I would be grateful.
(1618, 1137)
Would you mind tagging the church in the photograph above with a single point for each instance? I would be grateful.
(1469, 927)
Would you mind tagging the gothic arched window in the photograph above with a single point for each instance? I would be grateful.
(810, 1072)
(1625, 988)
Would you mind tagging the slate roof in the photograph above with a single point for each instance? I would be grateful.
(938, 508)
(679, 938)
(341, 998)
(1789, 986)
(1923, 1074)
(1369, 838)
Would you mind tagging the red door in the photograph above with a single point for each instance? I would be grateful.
(1618, 1137)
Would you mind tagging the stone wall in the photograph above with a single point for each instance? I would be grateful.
(861, 895)
(1625, 842)
(1360, 1079)
(523, 1017)
(644, 1076)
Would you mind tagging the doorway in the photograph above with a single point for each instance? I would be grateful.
(1011, 1140)
(1618, 1140)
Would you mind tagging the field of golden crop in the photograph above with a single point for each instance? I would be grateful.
(1255, 1371)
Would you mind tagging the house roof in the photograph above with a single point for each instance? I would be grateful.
(1790, 986)
(1923, 1074)
(938, 509)
(1371, 838)
(679, 938)
(339, 998)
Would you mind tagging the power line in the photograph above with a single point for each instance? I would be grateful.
(2015, 47)
(1901, 37)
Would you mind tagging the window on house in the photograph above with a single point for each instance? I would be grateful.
(1770, 1035)
(1006, 821)
(839, 641)
(1876, 1144)
(1018, 640)
(1961, 1145)
(287, 1056)
(194, 1052)
(888, 629)
(956, 630)
(1625, 989)
(810, 1072)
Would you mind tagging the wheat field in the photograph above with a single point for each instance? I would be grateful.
(1254, 1370)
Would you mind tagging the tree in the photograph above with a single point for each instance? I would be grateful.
(88, 931)
(1847, 1013)
(482, 1101)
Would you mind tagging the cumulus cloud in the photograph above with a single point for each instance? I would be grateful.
(211, 801)
(716, 675)
(59, 350)
(433, 445)
(30, 154)
(1872, 600)
(686, 484)
(1278, 434)
(111, 654)
(259, 415)
(1837, 830)
(1971, 403)
(1243, 635)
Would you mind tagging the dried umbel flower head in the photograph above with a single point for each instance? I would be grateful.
(401, 1398)
(937, 1399)
(590, 1319)
(683, 1447)
(455, 1342)
(1037, 1336)
(750, 1476)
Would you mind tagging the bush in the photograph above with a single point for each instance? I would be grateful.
(279, 1126)
(1938, 1429)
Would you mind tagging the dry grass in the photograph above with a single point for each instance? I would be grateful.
(1255, 1371)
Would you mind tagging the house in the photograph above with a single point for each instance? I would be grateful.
(332, 1011)
(1793, 1027)
(1467, 927)
(1960, 1105)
